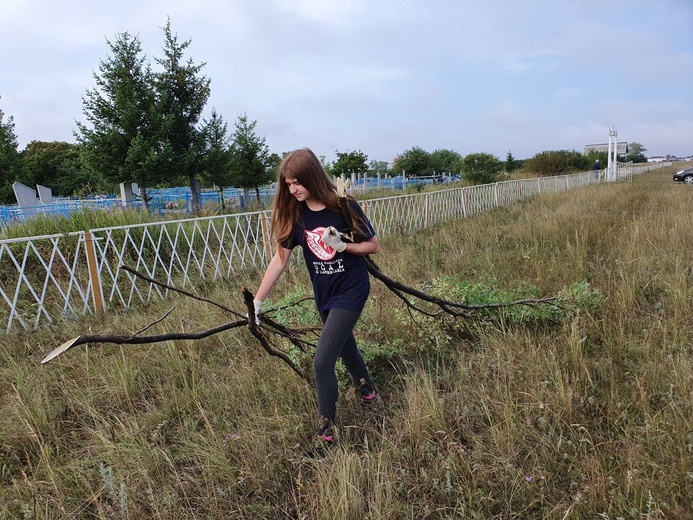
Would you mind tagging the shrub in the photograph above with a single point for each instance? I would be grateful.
(481, 168)
(558, 162)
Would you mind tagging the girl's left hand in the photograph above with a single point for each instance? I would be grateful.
(330, 237)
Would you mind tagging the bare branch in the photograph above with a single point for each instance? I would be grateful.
(154, 323)
(178, 290)
(255, 331)
(140, 340)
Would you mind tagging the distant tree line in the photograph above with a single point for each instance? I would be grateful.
(143, 123)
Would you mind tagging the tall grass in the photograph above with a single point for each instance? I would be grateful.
(589, 416)
(82, 220)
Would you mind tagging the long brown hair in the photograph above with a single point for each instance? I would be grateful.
(303, 166)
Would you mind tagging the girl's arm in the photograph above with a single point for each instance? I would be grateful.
(367, 247)
(274, 270)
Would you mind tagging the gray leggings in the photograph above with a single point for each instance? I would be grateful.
(337, 341)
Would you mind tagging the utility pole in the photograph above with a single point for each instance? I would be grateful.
(612, 166)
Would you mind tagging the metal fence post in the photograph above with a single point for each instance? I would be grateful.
(427, 217)
(266, 236)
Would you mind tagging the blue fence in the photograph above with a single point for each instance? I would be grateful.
(179, 200)
(59, 207)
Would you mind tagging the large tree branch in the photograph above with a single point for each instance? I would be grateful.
(294, 336)
(456, 309)
(134, 339)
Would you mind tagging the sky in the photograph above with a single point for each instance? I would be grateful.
(380, 76)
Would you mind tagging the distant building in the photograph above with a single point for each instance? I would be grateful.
(656, 158)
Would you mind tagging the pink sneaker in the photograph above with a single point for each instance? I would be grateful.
(369, 398)
(325, 437)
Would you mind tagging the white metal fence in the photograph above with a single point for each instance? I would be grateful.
(44, 279)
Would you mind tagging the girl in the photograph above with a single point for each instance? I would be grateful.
(306, 213)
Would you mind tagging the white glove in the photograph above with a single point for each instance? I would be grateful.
(258, 309)
(330, 237)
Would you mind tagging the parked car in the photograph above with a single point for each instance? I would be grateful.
(685, 175)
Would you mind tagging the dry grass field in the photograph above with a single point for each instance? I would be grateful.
(584, 413)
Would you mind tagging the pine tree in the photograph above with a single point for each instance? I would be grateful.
(251, 164)
(183, 94)
(120, 141)
(216, 153)
(510, 163)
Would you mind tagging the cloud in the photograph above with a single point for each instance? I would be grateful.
(491, 76)
(330, 12)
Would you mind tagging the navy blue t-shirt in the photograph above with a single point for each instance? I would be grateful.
(340, 280)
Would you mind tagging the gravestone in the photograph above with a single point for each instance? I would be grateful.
(45, 194)
(26, 199)
(126, 195)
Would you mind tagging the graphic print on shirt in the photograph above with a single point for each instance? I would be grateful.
(317, 246)
(327, 263)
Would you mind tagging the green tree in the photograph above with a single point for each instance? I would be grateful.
(378, 166)
(58, 165)
(558, 162)
(636, 153)
(414, 162)
(481, 168)
(251, 164)
(273, 162)
(511, 164)
(55, 165)
(120, 140)
(350, 162)
(9, 158)
(217, 153)
(326, 165)
(182, 96)
(445, 161)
